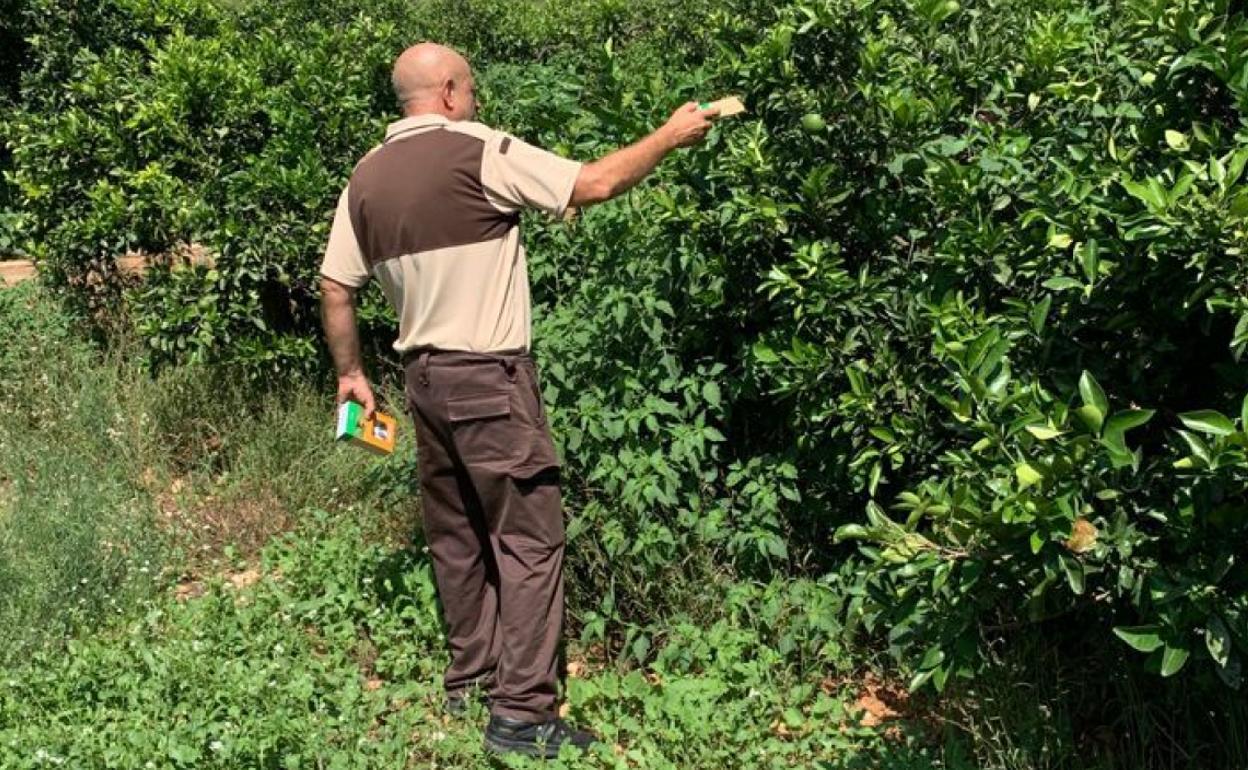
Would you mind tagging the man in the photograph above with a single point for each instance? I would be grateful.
(433, 214)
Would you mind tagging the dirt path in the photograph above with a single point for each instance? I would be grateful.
(15, 271)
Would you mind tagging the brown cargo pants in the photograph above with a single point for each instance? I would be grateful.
(493, 520)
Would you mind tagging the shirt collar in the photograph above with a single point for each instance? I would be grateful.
(413, 122)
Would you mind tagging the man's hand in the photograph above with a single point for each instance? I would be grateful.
(355, 387)
(689, 125)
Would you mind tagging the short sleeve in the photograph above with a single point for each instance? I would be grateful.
(344, 261)
(517, 175)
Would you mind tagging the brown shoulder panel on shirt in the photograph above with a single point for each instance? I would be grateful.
(420, 193)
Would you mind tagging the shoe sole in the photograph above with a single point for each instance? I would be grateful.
(506, 746)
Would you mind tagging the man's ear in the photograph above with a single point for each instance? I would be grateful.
(448, 94)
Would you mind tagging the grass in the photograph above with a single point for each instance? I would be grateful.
(76, 536)
(110, 479)
(192, 575)
(332, 657)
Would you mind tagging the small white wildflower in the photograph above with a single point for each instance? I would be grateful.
(216, 745)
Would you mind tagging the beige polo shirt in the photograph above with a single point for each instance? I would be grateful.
(433, 213)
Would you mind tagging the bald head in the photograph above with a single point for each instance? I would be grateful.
(433, 78)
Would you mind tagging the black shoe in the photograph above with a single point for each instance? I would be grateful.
(543, 739)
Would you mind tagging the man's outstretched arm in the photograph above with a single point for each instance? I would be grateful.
(343, 338)
(621, 170)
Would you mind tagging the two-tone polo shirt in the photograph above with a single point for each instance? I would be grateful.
(433, 213)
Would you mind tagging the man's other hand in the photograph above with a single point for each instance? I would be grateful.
(355, 387)
(689, 124)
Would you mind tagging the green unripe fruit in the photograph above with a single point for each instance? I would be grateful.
(814, 123)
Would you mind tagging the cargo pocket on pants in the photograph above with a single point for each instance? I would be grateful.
(537, 455)
(482, 427)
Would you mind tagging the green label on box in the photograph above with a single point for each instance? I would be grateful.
(350, 415)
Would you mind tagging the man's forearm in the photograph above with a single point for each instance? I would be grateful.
(621, 170)
(338, 318)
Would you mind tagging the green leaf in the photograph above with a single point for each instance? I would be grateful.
(1092, 417)
(1235, 165)
(793, 718)
(1173, 659)
(1150, 194)
(1243, 415)
(183, 754)
(1044, 432)
(1074, 573)
(1060, 241)
(710, 392)
(1217, 171)
(851, 532)
(1092, 394)
(1198, 448)
(1142, 638)
(1208, 421)
(1177, 140)
(1239, 340)
(1218, 640)
(1181, 188)
(857, 383)
(1118, 425)
(641, 646)
(883, 434)
(1027, 475)
(1061, 283)
(765, 354)
(1089, 259)
(933, 658)
(920, 679)
(1040, 312)
(1127, 419)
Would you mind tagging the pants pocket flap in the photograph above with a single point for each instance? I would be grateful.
(478, 406)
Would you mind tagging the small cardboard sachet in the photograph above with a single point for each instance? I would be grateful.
(728, 106)
(376, 435)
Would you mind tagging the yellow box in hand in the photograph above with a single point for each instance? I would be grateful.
(376, 435)
(728, 106)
